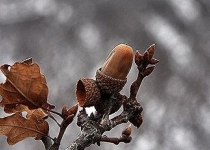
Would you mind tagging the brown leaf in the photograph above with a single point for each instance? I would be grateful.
(39, 113)
(17, 128)
(24, 85)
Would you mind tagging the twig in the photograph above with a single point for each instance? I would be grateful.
(53, 118)
(64, 125)
(93, 129)
(47, 142)
(116, 141)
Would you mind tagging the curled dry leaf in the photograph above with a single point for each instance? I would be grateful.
(17, 128)
(24, 85)
(39, 113)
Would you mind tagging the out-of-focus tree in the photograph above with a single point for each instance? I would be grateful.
(70, 39)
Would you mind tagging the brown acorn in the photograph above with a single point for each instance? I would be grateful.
(87, 92)
(112, 77)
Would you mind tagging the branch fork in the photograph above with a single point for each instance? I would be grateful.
(93, 128)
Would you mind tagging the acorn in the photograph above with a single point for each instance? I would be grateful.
(110, 79)
(87, 92)
(112, 76)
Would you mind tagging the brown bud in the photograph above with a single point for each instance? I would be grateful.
(146, 56)
(127, 131)
(73, 110)
(151, 51)
(87, 92)
(138, 58)
(149, 70)
(64, 111)
(68, 120)
(153, 61)
(137, 120)
(118, 63)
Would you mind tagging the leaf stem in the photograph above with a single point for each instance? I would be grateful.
(53, 118)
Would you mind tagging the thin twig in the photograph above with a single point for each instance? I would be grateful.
(47, 142)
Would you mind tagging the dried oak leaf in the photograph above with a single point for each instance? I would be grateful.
(39, 113)
(24, 85)
(17, 128)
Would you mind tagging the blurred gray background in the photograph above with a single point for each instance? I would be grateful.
(71, 39)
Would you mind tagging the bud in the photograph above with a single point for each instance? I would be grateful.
(149, 70)
(127, 131)
(153, 61)
(138, 58)
(73, 110)
(64, 111)
(146, 56)
(137, 120)
(151, 51)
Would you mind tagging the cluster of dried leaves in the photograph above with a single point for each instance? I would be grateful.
(25, 91)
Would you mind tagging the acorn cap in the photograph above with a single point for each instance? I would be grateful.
(87, 92)
(108, 84)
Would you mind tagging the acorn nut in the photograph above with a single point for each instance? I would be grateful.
(112, 77)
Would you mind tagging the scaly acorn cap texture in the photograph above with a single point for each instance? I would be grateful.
(112, 77)
(87, 92)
